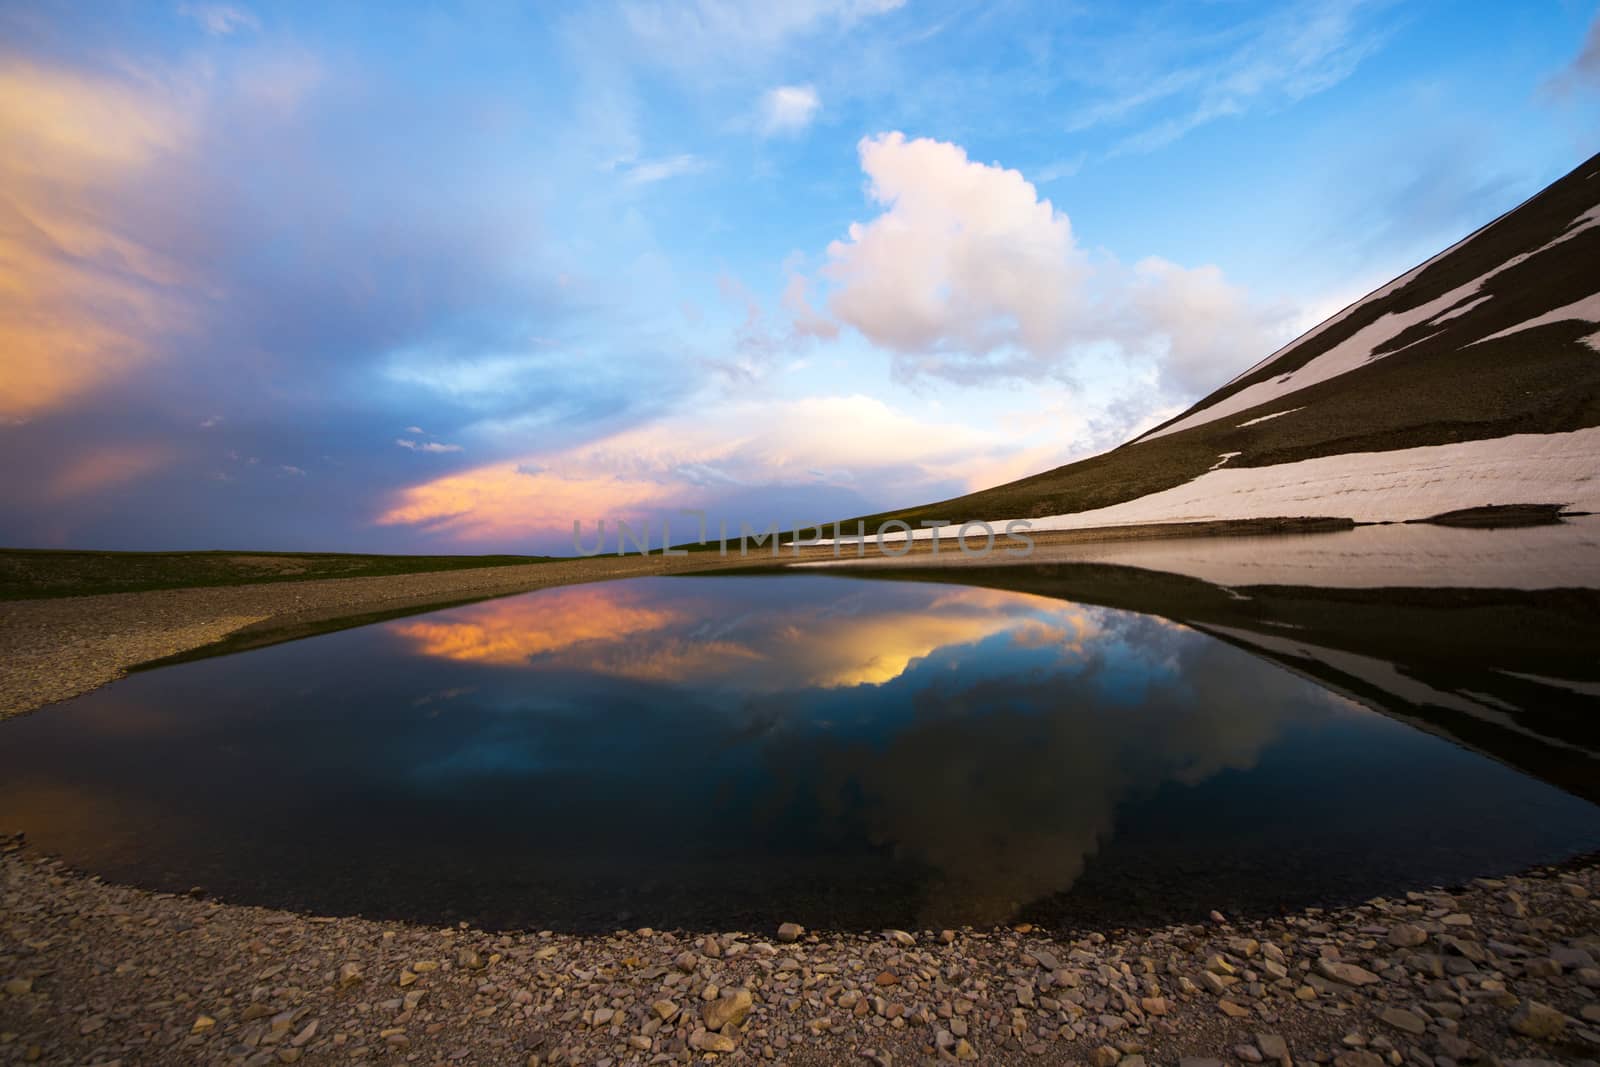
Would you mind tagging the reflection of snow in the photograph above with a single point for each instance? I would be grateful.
(1587, 688)
(1388, 678)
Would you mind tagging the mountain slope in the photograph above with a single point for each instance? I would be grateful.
(1471, 380)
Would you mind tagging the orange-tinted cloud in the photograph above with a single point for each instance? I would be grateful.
(505, 499)
(82, 297)
(686, 460)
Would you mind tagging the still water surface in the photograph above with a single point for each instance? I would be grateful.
(737, 751)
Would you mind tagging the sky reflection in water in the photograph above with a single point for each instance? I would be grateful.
(736, 751)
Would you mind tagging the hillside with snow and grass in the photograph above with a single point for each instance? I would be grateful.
(1471, 381)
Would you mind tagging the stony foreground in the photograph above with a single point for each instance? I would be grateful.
(1503, 971)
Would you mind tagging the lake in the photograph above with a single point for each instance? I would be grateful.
(1046, 743)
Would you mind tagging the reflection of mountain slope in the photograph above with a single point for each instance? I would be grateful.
(1443, 389)
(1509, 673)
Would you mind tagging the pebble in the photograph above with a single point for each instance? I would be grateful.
(1405, 935)
(710, 1041)
(1273, 1046)
(1401, 1019)
(1359, 1058)
(1534, 1019)
(1348, 973)
(730, 1008)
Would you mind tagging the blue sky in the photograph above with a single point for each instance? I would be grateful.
(451, 276)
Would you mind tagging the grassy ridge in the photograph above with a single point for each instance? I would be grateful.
(27, 574)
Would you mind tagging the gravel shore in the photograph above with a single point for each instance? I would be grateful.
(1502, 971)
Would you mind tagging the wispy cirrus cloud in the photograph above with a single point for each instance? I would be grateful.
(426, 446)
(788, 109)
(660, 169)
(707, 36)
(220, 20)
(1165, 78)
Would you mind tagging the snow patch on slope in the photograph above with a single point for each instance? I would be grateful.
(1360, 349)
(1456, 313)
(1264, 418)
(1407, 483)
(1357, 350)
(1377, 294)
(1586, 310)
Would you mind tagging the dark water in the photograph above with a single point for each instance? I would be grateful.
(733, 752)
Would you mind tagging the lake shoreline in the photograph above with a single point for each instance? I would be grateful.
(59, 647)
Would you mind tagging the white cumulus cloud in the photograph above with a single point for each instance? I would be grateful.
(967, 274)
(964, 258)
